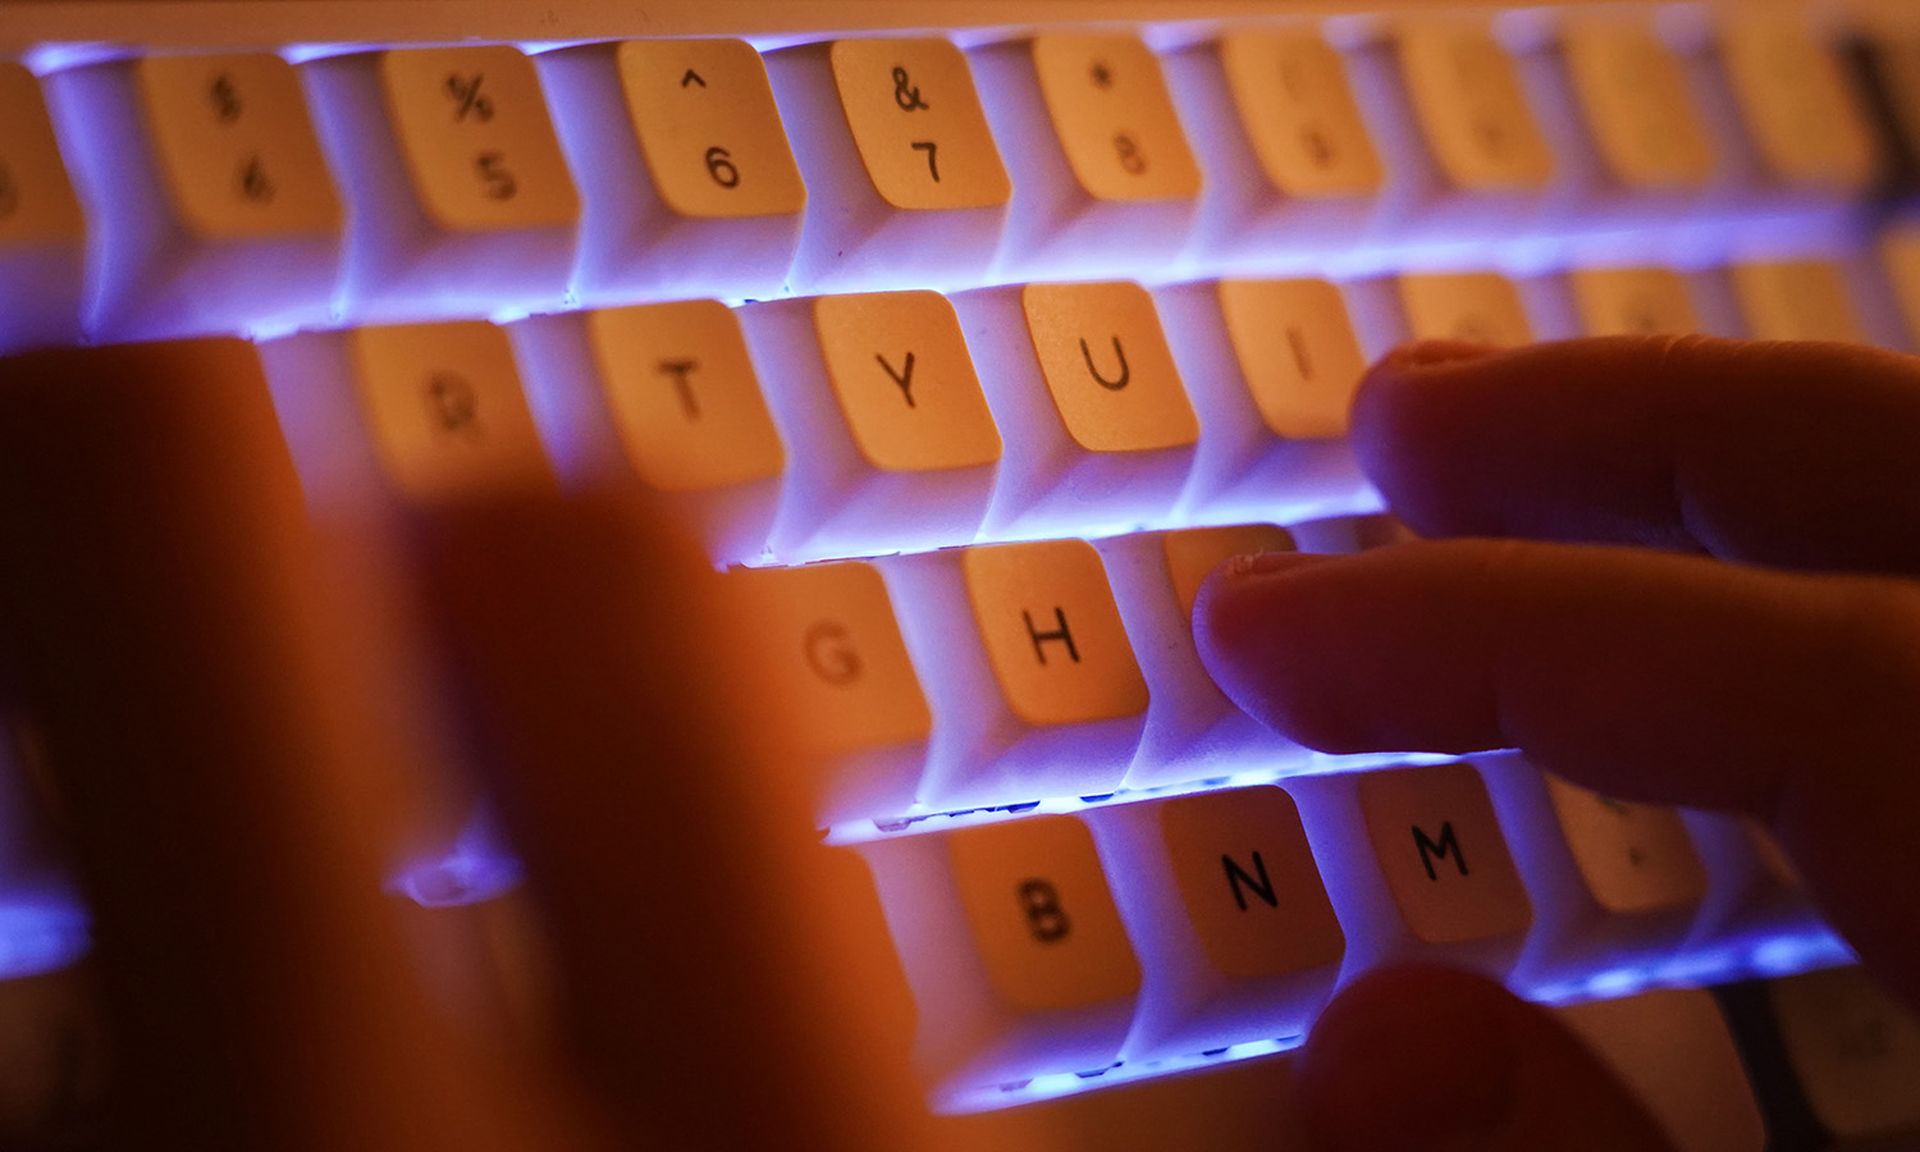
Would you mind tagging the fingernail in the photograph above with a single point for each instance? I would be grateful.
(1266, 563)
(1435, 353)
(1415, 1059)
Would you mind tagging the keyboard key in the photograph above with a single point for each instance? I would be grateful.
(1633, 96)
(1855, 1052)
(1796, 300)
(1479, 139)
(1632, 302)
(1095, 148)
(405, 415)
(837, 693)
(1238, 937)
(1290, 162)
(1345, 535)
(42, 231)
(895, 449)
(1753, 892)
(1193, 731)
(683, 163)
(665, 394)
(1672, 1049)
(1417, 822)
(1633, 857)
(1421, 868)
(1271, 366)
(1477, 307)
(1028, 667)
(1614, 885)
(461, 198)
(905, 185)
(1017, 956)
(445, 410)
(212, 202)
(1803, 119)
(1083, 385)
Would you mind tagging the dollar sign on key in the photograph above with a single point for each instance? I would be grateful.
(226, 99)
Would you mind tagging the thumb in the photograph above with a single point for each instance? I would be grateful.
(1448, 1061)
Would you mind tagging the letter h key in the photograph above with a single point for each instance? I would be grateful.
(1028, 667)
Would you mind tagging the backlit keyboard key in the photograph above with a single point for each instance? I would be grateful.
(1018, 958)
(894, 447)
(1477, 307)
(666, 394)
(1632, 857)
(1238, 937)
(1291, 164)
(1632, 93)
(1271, 366)
(461, 198)
(1098, 426)
(1753, 891)
(905, 184)
(416, 413)
(829, 668)
(1289, 158)
(1795, 103)
(1419, 822)
(1426, 874)
(1346, 535)
(1472, 111)
(1855, 1053)
(1632, 302)
(1095, 147)
(42, 232)
(445, 409)
(205, 181)
(1028, 667)
(689, 184)
(1614, 884)
(1796, 300)
(1672, 1050)
(1193, 731)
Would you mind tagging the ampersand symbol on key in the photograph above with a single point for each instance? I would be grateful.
(907, 97)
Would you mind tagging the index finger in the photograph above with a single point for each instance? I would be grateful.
(1796, 455)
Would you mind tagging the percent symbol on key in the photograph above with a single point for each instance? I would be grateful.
(468, 101)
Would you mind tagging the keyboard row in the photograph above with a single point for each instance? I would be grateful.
(1138, 932)
(844, 426)
(174, 194)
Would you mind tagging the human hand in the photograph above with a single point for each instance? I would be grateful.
(233, 797)
(1689, 574)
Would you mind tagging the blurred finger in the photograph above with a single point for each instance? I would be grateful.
(230, 817)
(1453, 1062)
(706, 947)
(1798, 455)
(1659, 678)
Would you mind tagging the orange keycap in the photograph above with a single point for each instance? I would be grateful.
(836, 690)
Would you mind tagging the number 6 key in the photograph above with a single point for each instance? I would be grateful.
(690, 186)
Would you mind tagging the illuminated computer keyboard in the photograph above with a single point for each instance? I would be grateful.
(1010, 330)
